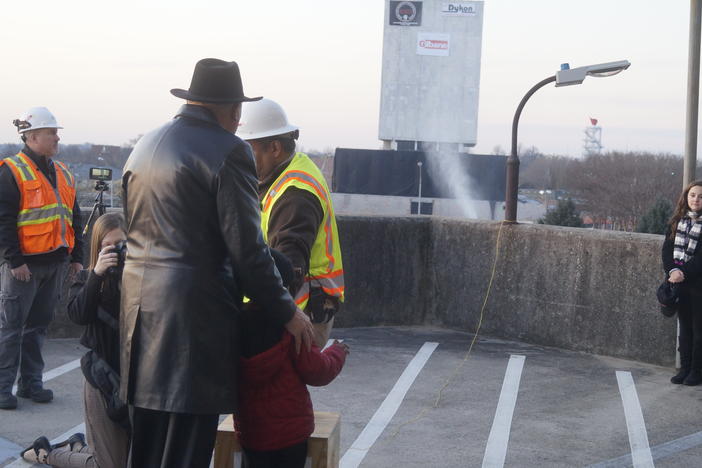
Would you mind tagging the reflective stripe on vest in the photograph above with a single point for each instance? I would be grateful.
(326, 266)
(45, 217)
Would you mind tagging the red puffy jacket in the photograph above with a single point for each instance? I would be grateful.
(275, 409)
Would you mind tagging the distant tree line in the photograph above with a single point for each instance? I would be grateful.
(618, 190)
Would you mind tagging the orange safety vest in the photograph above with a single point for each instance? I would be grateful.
(45, 219)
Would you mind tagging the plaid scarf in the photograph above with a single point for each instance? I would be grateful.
(687, 235)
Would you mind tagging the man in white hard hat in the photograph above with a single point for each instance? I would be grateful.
(40, 233)
(297, 213)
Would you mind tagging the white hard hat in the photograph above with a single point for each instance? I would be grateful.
(35, 118)
(264, 118)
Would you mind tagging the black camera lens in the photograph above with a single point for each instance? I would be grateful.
(120, 249)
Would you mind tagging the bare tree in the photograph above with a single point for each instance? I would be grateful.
(618, 188)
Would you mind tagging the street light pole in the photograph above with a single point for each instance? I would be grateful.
(419, 204)
(565, 77)
(513, 160)
(693, 93)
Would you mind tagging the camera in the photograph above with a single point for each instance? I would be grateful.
(101, 173)
(120, 249)
(101, 176)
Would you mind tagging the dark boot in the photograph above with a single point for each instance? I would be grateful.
(680, 376)
(37, 395)
(8, 401)
(693, 378)
(38, 452)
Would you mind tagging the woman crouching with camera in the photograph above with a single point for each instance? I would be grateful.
(95, 304)
(682, 261)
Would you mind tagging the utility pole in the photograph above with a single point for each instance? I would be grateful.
(693, 93)
(419, 202)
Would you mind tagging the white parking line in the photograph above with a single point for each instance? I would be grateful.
(638, 438)
(79, 428)
(496, 450)
(384, 414)
(53, 373)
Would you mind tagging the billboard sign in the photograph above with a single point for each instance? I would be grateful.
(405, 13)
(433, 44)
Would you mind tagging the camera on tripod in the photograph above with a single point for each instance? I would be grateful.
(101, 175)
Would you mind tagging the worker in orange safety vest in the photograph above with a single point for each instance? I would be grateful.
(40, 237)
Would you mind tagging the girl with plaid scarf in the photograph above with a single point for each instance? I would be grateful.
(682, 261)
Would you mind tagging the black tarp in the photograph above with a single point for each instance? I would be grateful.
(389, 172)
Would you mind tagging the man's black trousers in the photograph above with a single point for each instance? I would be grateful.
(171, 440)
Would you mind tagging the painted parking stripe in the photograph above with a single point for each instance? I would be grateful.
(8, 450)
(638, 438)
(53, 373)
(79, 428)
(658, 452)
(496, 450)
(384, 414)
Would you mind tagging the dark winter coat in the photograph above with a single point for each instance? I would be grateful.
(195, 247)
(275, 405)
(692, 269)
(95, 304)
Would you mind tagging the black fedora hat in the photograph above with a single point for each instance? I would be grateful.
(214, 81)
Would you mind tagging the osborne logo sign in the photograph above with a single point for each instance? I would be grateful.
(459, 9)
(433, 44)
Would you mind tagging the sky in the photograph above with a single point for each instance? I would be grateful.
(105, 68)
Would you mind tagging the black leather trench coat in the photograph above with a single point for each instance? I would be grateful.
(194, 248)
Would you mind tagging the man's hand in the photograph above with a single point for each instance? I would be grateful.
(21, 273)
(676, 276)
(73, 270)
(301, 328)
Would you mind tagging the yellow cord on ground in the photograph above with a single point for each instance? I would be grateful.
(470, 348)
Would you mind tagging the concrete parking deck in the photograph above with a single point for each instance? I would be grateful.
(510, 403)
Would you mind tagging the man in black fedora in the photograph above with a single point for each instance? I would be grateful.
(195, 248)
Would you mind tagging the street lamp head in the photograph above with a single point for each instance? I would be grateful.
(419, 163)
(571, 76)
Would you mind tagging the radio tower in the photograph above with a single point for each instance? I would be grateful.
(593, 139)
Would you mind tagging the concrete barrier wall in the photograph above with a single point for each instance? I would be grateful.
(578, 289)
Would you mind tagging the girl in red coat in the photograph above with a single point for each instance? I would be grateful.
(275, 416)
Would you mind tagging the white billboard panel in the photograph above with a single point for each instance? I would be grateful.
(431, 71)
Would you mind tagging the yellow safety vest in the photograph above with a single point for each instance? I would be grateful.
(326, 267)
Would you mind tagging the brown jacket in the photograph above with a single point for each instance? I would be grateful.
(293, 224)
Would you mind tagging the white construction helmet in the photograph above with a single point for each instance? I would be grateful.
(264, 118)
(35, 118)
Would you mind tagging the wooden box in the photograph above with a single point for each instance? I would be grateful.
(322, 449)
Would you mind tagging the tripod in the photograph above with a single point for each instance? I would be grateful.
(99, 206)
